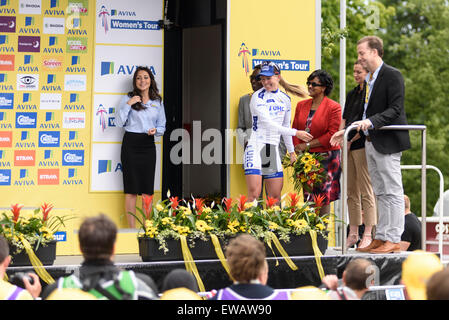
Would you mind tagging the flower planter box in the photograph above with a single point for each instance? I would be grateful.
(298, 246)
(149, 250)
(203, 250)
(46, 254)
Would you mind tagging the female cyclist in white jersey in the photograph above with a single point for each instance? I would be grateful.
(271, 112)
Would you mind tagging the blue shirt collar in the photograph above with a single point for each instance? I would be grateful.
(376, 72)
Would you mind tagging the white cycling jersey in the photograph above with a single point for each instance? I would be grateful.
(271, 112)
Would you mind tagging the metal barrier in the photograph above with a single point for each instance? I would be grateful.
(344, 194)
(441, 207)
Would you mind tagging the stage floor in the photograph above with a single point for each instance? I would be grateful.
(213, 275)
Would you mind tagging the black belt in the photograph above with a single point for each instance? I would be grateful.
(368, 138)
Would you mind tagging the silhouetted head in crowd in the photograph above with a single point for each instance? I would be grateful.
(438, 286)
(359, 274)
(179, 278)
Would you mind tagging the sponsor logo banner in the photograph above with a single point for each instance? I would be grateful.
(76, 45)
(30, 6)
(5, 139)
(29, 44)
(24, 158)
(106, 168)
(52, 63)
(26, 120)
(7, 24)
(74, 82)
(73, 157)
(6, 62)
(48, 176)
(27, 82)
(49, 139)
(129, 22)
(50, 101)
(6, 100)
(74, 120)
(5, 177)
(114, 72)
(54, 25)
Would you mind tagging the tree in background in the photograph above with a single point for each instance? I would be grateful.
(416, 41)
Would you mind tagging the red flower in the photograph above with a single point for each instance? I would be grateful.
(227, 204)
(271, 202)
(294, 199)
(46, 208)
(199, 204)
(318, 199)
(147, 201)
(15, 209)
(174, 202)
(242, 201)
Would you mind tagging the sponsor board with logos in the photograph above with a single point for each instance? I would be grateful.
(50, 112)
(45, 57)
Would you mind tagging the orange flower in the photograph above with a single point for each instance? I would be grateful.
(15, 209)
(318, 199)
(46, 208)
(199, 203)
(242, 201)
(271, 202)
(174, 202)
(147, 201)
(294, 198)
(227, 204)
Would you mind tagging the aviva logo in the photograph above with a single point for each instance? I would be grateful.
(23, 173)
(74, 97)
(107, 68)
(75, 60)
(72, 172)
(51, 78)
(104, 166)
(28, 59)
(29, 21)
(25, 135)
(48, 154)
(49, 116)
(52, 41)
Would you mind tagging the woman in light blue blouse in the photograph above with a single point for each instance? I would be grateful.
(141, 113)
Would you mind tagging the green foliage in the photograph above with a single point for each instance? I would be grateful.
(416, 39)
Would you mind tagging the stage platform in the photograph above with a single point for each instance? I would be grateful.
(213, 275)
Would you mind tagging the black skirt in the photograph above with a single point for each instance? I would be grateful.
(138, 156)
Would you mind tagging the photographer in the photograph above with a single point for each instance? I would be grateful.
(357, 278)
(9, 291)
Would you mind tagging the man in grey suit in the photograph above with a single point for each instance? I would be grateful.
(384, 105)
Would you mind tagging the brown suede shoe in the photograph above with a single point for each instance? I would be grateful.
(387, 247)
(374, 244)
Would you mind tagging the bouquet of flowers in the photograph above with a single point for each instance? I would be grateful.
(308, 171)
(36, 228)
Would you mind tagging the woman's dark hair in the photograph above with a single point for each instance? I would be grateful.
(153, 90)
(325, 79)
